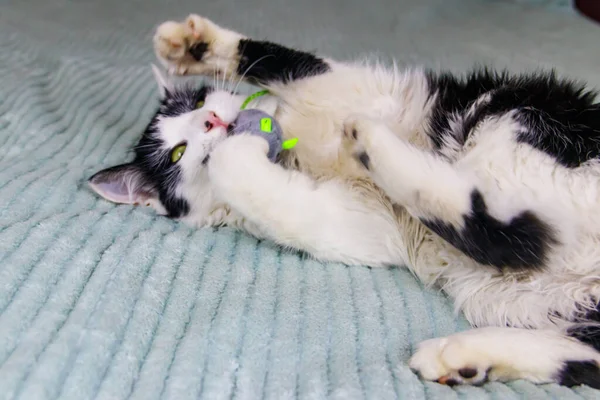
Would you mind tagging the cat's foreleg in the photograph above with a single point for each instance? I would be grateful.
(198, 46)
(424, 183)
(325, 219)
(449, 200)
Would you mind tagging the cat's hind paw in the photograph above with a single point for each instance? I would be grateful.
(507, 354)
(357, 132)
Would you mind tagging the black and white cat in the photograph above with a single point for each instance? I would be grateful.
(486, 186)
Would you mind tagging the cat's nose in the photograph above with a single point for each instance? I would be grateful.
(213, 121)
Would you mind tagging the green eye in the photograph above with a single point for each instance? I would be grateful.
(177, 153)
(200, 104)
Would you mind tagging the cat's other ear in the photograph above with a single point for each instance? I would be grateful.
(163, 82)
(124, 184)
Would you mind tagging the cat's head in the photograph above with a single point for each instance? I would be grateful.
(169, 171)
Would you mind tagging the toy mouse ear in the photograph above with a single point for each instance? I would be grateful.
(123, 184)
(164, 84)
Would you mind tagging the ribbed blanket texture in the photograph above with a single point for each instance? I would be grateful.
(99, 301)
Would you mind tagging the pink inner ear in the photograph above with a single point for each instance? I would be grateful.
(117, 192)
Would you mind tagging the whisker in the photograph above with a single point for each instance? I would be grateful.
(215, 78)
(225, 76)
(231, 83)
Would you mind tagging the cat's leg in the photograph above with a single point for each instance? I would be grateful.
(326, 219)
(506, 354)
(198, 46)
(448, 200)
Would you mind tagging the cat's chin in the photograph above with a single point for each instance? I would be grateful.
(218, 139)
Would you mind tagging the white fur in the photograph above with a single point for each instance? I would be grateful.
(337, 211)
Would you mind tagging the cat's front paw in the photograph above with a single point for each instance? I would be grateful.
(234, 165)
(236, 152)
(172, 42)
(194, 46)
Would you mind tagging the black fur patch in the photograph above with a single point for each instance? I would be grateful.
(588, 331)
(198, 50)
(588, 334)
(467, 373)
(265, 62)
(182, 100)
(522, 243)
(150, 156)
(576, 373)
(559, 116)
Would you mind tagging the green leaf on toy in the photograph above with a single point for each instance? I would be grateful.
(289, 144)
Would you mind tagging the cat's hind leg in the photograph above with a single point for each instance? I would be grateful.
(505, 354)
(448, 200)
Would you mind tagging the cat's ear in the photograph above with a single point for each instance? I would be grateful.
(163, 82)
(124, 184)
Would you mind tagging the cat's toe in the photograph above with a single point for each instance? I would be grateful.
(197, 26)
(355, 131)
(350, 130)
(178, 69)
(355, 126)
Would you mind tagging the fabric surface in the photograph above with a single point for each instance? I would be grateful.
(551, 4)
(108, 302)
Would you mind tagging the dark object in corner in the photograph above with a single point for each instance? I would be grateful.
(589, 8)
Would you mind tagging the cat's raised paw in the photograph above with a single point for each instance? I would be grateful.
(196, 46)
(172, 40)
(180, 45)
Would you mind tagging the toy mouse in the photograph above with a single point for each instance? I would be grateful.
(258, 122)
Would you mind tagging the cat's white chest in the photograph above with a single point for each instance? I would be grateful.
(320, 149)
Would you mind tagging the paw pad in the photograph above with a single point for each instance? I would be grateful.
(467, 372)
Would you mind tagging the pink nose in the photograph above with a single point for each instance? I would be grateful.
(213, 121)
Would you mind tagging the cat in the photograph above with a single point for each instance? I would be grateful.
(486, 186)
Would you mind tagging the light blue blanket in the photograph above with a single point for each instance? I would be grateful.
(106, 302)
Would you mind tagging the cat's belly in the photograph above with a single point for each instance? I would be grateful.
(321, 150)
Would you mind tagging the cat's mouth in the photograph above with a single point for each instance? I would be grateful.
(213, 121)
(230, 129)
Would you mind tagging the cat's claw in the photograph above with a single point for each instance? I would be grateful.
(177, 69)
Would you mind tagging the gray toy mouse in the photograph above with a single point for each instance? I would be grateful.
(258, 122)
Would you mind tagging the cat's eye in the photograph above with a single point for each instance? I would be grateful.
(200, 104)
(177, 153)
